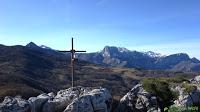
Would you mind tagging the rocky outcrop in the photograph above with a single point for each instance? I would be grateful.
(16, 104)
(191, 97)
(196, 80)
(98, 100)
(138, 100)
(38, 102)
(70, 100)
(64, 98)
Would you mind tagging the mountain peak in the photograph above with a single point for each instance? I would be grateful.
(31, 44)
(110, 50)
(123, 49)
(195, 60)
(107, 50)
(114, 48)
(109, 47)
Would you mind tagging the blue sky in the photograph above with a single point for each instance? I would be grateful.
(164, 26)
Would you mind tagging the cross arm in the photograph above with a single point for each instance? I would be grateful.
(72, 51)
(64, 51)
(80, 51)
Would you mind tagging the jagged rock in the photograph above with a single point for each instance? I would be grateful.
(52, 95)
(64, 98)
(76, 99)
(38, 102)
(97, 100)
(83, 104)
(138, 100)
(16, 104)
(187, 99)
(196, 79)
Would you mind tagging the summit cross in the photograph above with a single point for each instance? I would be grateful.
(73, 58)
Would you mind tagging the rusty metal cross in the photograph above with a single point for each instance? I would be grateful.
(73, 58)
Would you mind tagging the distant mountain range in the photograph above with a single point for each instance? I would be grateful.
(121, 57)
(30, 70)
(112, 56)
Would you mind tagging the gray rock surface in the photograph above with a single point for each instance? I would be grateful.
(64, 98)
(97, 100)
(187, 99)
(138, 100)
(16, 104)
(196, 80)
(38, 102)
(77, 99)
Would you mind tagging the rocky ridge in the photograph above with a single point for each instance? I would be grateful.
(74, 99)
(139, 100)
(189, 94)
(121, 57)
(86, 99)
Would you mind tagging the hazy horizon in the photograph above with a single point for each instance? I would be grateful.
(162, 26)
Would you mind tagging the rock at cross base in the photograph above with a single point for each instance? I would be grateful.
(16, 104)
(76, 99)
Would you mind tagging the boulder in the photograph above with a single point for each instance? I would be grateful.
(97, 100)
(196, 80)
(16, 104)
(64, 98)
(76, 99)
(187, 99)
(38, 102)
(138, 100)
(82, 104)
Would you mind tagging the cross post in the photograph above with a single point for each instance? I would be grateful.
(73, 58)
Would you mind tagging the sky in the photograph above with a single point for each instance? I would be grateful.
(163, 26)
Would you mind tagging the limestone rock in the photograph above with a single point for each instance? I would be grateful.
(187, 99)
(97, 100)
(76, 99)
(38, 102)
(196, 80)
(16, 104)
(138, 100)
(64, 98)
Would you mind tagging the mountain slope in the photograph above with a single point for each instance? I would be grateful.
(122, 57)
(26, 70)
(31, 70)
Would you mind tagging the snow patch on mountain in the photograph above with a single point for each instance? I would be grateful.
(153, 54)
(45, 47)
(122, 49)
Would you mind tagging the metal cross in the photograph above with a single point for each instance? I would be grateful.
(73, 58)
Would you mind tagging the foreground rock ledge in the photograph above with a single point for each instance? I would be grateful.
(76, 99)
(138, 100)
